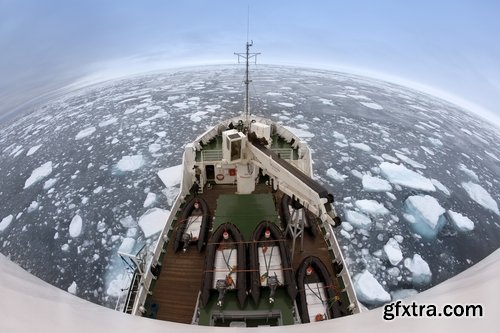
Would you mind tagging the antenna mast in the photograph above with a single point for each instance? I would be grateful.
(247, 56)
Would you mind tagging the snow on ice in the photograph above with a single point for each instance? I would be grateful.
(393, 251)
(130, 163)
(357, 219)
(338, 177)
(371, 207)
(460, 222)
(153, 221)
(375, 184)
(85, 132)
(75, 227)
(171, 176)
(38, 174)
(477, 193)
(369, 290)
(425, 215)
(421, 273)
(399, 174)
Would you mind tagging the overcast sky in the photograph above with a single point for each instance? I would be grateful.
(450, 47)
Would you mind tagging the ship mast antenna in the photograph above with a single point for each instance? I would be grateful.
(247, 56)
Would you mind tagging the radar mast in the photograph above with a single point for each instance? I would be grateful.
(247, 56)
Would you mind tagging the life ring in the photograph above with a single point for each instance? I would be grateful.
(220, 176)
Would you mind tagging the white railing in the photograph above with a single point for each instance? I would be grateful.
(211, 155)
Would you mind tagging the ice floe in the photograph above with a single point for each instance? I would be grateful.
(421, 273)
(371, 207)
(33, 150)
(171, 176)
(410, 161)
(301, 133)
(108, 122)
(477, 193)
(460, 222)
(440, 186)
(471, 174)
(361, 146)
(72, 288)
(127, 246)
(389, 158)
(403, 293)
(358, 220)
(130, 163)
(6, 221)
(154, 147)
(85, 132)
(399, 174)
(372, 105)
(75, 227)
(338, 177)
(287, 105)
(375, 184)
(425, 215)
(153, 221)
(369, 290)
(393, 251)
(150, 199)
(49, 183)
(38, 174)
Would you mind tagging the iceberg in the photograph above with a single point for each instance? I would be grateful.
(369, 290)
(38, 174)
(393, 251)
(400, 175)
(421, 273)
(375, 184)
(477, 193)
(425, 215)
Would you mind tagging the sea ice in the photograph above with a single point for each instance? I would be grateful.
(72, 288)
(171, 176)
(440, 186)
(399, 174)
(410, 161)
(108, 122)
(118, 286)
(130, 163)
(357, 219)
(372, 105)
(421, 273)
(403, 293)
(390, 158)
(153, 221)
(154, 147)
(338, 177)
(127, 246)
(303, 134)
(32, 150)
(33, 206)
(471, 174)
(375, 184)
(38, 174)
(338, 136)
(49, 183)
(361, 146)
(425, 215)
(128, 221)
(150, 199)
(460, 222)
(85, 132)
(75, 227)
(371, 207)
(435, 142)
(393, 251)
(288, 105)
(6, 222)
(477, 193)
(369, 290)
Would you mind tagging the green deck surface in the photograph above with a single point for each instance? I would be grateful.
(245, 211)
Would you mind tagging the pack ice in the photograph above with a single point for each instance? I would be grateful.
(425, 215)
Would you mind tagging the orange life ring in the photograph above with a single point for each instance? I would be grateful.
(220, 176)
(319, 317)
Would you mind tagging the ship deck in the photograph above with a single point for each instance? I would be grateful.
(175, 293)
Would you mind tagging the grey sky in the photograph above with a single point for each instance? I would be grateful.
(447, 47)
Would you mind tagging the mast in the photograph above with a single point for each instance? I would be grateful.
(247, 56)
